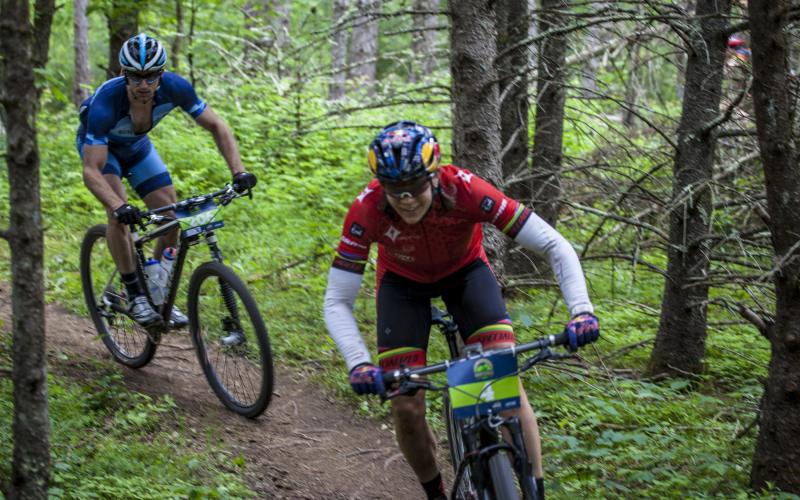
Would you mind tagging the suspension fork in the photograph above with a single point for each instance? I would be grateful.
(224, 287)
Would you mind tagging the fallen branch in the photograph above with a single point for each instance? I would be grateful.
(5, 234)
(624, 350)
(5, 372)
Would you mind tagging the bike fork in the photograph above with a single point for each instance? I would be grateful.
(225, 288)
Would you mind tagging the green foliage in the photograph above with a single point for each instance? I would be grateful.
(108, 442)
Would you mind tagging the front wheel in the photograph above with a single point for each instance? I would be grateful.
(464, 489)
(231, 339)
(107, 302)
(503, 477)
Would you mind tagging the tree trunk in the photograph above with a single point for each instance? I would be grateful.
(513, 21)
(25, 48)
(338, 51)
(123, 23)
(680, 341)
(550, 97)
(423, 43)
(175, 56)
(363, 54)
(476, 101)
(83, 74)
(777, 454)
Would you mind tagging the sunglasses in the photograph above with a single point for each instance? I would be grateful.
(400, 191)
(136, 78)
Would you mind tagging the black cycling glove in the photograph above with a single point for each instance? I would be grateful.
(243, 181)
(127, 214)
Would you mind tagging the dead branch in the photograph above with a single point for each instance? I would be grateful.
(754, 318)
(5, 372)
(5, 234)
(620, 218)
(628, 348)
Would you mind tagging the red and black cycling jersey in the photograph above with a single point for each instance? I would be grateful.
(445, 240)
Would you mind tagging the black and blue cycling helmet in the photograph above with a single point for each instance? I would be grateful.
(141, 54)
(403, 151)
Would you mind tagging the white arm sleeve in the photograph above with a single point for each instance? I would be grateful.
(538, 236)
(339, 299)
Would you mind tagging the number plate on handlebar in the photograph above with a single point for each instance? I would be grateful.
(199, 218)
(483, 385)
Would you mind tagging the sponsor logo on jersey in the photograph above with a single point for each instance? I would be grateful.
(465, 176)
(503, 205)
(349, 242)
(364, 194)
(392, 233)
(487, 204)
(357, 229)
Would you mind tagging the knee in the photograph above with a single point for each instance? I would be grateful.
(408, 412)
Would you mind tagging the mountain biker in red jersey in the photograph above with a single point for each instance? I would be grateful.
(426, 220)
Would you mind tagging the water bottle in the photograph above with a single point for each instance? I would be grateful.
(152, 271)
(167, 261)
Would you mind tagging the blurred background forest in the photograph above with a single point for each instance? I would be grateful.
(630, 126)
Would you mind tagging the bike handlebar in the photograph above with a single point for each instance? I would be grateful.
(405, 374)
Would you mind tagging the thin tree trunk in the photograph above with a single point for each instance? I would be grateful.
(83, 74)
(777, 454)
(363, 54)
(632, 87)
(123, 23)
(175, 56)
(25, 48)
(338, 51)
(550, 96)
(423, 43)
(513, 21)
(476, 101)
(680, 341)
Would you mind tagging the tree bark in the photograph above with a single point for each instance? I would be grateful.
(680, 341)
(177, 42)
(338, 51)
(24, 48)
(123, 23)
(363, 54)
(83, 74)
(777, 454)
(423, 43)
(550, 96)
(476, 101)
(513, 21)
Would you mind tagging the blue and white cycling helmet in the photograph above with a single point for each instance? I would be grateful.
(403, 151)
(141, 54)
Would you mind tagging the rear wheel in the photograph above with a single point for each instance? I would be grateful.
(231, 339)
(106, 300)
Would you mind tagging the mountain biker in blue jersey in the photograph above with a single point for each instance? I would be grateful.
(426, 220)
(112, 142)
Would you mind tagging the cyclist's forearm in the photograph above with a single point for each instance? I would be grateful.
(540, 237)
(340, 296)
(226, 143)
(98, 186)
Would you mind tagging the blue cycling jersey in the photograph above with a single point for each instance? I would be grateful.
(105, 120)
(105, 116)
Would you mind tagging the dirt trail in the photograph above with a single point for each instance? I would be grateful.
(307, 445)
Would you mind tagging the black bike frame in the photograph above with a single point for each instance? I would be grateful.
(183, 249)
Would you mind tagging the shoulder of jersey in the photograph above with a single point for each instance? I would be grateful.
(369, 195)
(112, 87)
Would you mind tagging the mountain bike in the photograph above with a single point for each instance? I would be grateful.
(225, 325)
(480, 386)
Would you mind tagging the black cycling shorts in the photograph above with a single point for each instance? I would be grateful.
(471, 294)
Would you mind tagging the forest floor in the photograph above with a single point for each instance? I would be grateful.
(306, 445)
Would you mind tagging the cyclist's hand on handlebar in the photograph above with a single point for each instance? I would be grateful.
(127, 214)
(582, 329)
(367, 378)
(243, 181)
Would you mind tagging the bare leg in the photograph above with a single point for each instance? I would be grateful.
(159, 198)
(414, 436)
(117, 235)
(530, 432)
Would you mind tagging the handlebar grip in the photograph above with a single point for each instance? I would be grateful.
(561, 339)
